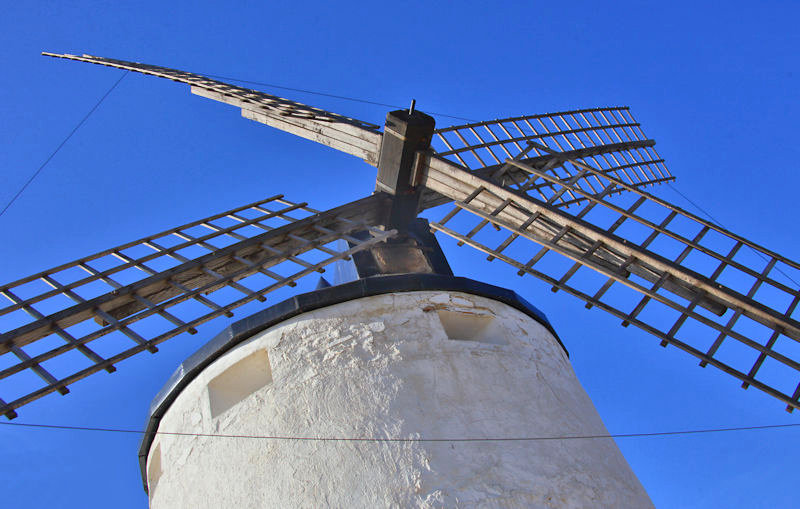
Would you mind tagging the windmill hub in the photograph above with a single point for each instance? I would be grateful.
(407, 137)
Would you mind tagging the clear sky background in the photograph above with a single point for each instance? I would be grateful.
(715, 83)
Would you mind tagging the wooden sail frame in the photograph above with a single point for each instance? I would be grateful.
(568, 184)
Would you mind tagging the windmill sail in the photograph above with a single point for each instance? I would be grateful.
(609, 139)
(130, 298)
(717, 295)
(349, 135)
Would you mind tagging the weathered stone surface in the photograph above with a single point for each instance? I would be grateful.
(384, 367)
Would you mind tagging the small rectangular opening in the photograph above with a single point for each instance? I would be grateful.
(239, 381)
(471, 327)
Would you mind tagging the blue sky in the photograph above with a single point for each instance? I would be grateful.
(715, 84)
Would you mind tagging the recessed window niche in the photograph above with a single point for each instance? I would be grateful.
(154, 470)
(239, 381)
(468, 326)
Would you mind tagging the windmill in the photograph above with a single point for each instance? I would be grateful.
(557, 196)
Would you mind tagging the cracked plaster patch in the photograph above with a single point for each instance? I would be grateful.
(458, 301)
(441, 298)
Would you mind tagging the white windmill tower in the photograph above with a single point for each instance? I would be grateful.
(396, 364)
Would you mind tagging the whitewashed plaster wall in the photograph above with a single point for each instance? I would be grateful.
(385, 367)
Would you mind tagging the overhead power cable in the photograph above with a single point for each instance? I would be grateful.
(63, 142)
(410, 439)
(325, 94)
(719, 223)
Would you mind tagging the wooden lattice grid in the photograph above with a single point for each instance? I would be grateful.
(609, 139)
(140, 291)
(691, 269)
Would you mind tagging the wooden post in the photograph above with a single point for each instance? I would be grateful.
(404, 135)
